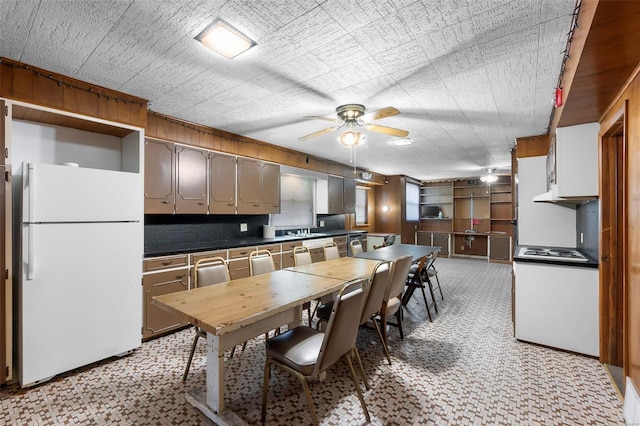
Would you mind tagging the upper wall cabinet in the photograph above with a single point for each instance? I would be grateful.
(349, 195)
(577, 160)
(191, 183)
(258, 187)
(159, 177)
(336, 195)
(222, 184)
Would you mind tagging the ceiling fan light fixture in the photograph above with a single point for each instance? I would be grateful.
(351, 137)
(489, 175)
(224, 39)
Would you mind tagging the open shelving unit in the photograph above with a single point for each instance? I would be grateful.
(476, 217)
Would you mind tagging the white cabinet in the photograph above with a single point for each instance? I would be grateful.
(577, 160)
(557, 306)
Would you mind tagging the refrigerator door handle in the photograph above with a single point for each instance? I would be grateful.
(31, 229)
(31, 182)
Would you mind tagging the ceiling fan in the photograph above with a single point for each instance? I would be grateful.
(352, 116)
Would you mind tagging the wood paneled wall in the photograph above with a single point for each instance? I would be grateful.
(532, 146)
(390, 194)
(172, 129)
(631, 94)
(37, 86)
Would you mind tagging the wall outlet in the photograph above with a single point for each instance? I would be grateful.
(243, 227)
(461, 248)
(321, 223)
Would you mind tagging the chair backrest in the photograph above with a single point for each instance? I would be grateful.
(378, 285)
(356, 247)
(433, 259)
(301, 255)
(342, 328)
(420, 269)
(399, 276)
(331, 251)
(261, 262)
(389, 240)
(209, 271)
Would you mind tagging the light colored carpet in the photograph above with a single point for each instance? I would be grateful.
(465, 368)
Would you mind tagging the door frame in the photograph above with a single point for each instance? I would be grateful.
(613, 146)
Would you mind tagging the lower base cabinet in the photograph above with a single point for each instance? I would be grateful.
(156, 321)
(500, 248)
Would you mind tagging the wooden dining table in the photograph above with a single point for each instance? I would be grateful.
(236, 311)
(392, 252)
(344, 268)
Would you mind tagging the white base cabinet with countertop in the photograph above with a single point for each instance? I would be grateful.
(557, 306)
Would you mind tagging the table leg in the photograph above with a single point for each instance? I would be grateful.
(215, 373)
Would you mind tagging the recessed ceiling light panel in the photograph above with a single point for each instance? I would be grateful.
(401, 142)
(224, 39)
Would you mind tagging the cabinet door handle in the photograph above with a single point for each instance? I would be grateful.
(164, 202)
(230, 204)
(256, 205)
(201, 203)
(166, 263)
(179, 277)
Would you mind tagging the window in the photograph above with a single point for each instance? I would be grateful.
(296, 203)
(412, 202)
(361, 205)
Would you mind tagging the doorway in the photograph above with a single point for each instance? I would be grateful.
(613, 240)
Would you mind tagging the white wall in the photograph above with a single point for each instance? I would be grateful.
(541, 224)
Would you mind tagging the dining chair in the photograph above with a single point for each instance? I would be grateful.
(356, 247)
(306, 352)
(208, 271)
(378, 284)
(416, 280)
(433, 272)
(389, 240)
(302, 256)
(261, 262)
(331, 251)
(392, 301)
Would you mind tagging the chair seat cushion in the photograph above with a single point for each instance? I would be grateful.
(432, 272)
(393, 305)
(297, 348)
(413, 269)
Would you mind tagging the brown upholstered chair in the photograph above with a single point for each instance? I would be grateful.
(302, 256)
(306, 352)
(378, 285)
(392, 301)
(261, 262)
(418, 279)
(356, 247)
(331, 251)
(208, 271)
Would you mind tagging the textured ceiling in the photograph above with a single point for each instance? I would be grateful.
(468, 76)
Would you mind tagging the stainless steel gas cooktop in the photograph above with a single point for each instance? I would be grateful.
(552, 254)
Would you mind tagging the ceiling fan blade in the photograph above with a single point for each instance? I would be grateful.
(381, 113)
(386, 130)
(317, 117)
(318, 133)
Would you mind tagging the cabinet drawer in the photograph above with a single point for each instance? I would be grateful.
(290, 246)
(272, 248)
(158, 263)
(238, 253)
(340, 240)
(317, 254)
(216, 253)
(239, 268)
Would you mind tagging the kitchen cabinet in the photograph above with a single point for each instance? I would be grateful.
(258, 187)
(191, 180)
(317, 254)
(275, 250)
(163, 275)
(557, 306)
(195, 257)
(336, 195)
(500, 248)
(435, 239)
(222, 183)
(576, 160)
(287, 254)
(341, 242)
(239, 262)
(349, 195)
(159, 177)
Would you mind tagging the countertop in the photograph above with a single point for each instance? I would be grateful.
(191, 247)
(591, 263)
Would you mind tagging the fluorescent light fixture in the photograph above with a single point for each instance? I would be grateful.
(401, 142)
(225, 40)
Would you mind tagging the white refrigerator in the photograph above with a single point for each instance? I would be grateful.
(79, 298)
